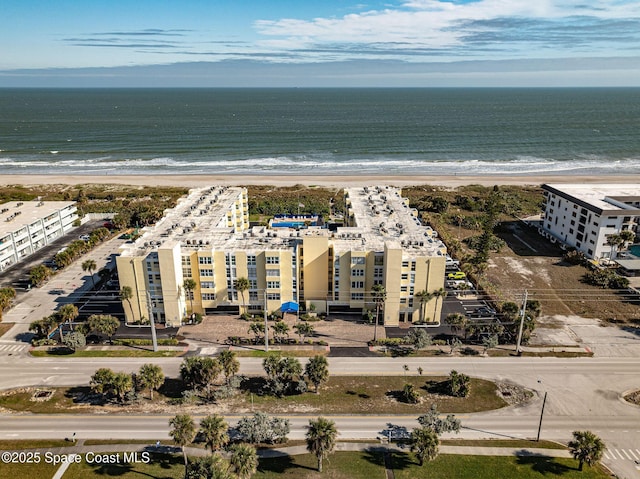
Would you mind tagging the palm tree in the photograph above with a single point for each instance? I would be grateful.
(151, 377)
(122, 383)
(280, 329)
(321, 438)
(183, 432)
(317, 370)
(90, 266)
(244, 460)
(214, 431)
(189, 285)
(614, 241)
(126, 293)
(627, 236)
(458, 322)
(424, 296)
(438, 294)
(230, 364)
(104, 323)
(242, 285)
(68, 312)
(586, 447)
(424, 443)
(379, 294)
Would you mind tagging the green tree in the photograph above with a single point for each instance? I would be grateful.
(424, 444)
(74, 340)
(410, 394)
(321, 438)
(424, 297)
(90, 266)
(68, 312)
(263, 429)
(418, 338)
(614, 240)
(438, 294)
(214, 432)
(189, 286)
(379, 294)
(200, 372)
(280, 329)
(183, 432)
(489, 342)
(39, 274)
(244, 460)
(283, 375)
(304, 330)
(105, 324)
(317, 370)
(126, 293)
(433, 420)
(209, 467)
(121, 385)
(586, 447)
(242, 286)
(102, 381)
(459, 384)
(257, 328)
(151, 377)
(229, 363)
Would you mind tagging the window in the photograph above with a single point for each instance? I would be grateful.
(273, 284)
(403, 289)
(405, 264)
(253, 284)
(377, 272)
(206, 272)
(357, 260)
(207, 285)
(357, 272)
(357, 284)
(273, 272)
(251, 260)
(357, 296)
(253, 295)
(413, 266)
(378, 261)
(208, 296)
(404, 276)
(273, 260)
(273, 296)
(186, 272)
(205, 260)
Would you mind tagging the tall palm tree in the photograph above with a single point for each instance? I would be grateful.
(244, 460)
(242, 285)
(321, 438)
(189, 285)
(586, 447)
(214, 431)
(614, 241)
(126, 293)
(424, 296)
(68, 312)
(438, 294)
(90, 266)
(379, 294)
(183, 432)
(151, 377)
(424, 443)
(230, 364)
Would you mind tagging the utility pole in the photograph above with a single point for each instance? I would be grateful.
(544, 401)
(154, 340)
(522, 314)
(266, 325)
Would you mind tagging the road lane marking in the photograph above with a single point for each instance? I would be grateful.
(625, 453)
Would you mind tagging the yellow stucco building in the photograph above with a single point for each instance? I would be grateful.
(206, 240)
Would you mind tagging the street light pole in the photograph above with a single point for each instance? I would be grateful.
(522, 314)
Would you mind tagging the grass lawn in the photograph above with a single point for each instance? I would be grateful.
(492, 467)
(18, 471)
(4, 327)
(16, 444)
(116, 353)
(340, 465)
(373, 395)
(340, 395)
(519, 443)
(161, 466)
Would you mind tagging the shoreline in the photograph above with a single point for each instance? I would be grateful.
(327, 181)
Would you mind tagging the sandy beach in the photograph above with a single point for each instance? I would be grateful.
(290, 180)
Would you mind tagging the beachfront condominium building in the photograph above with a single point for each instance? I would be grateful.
(27, 226)
(585, 216)
(206, 244)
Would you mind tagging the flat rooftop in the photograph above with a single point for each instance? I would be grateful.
(199, 222)
(610, 198)
(14, 215)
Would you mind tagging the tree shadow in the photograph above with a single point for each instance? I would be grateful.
(401, 460)
(84, 395)
(437, 387)
(280, 465)
(254, 385)
(542, 464)
(172, 388)
(395, 432)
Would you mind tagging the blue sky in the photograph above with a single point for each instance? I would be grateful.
(320, 43)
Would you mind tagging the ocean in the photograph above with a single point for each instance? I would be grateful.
(560, 131)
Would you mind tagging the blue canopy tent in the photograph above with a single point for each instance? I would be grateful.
(289, 307)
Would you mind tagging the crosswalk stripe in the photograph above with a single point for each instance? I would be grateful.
(633, 454)
(606, 456)
(618, 453)
(625, 453)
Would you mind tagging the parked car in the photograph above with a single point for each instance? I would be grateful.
(459, 284)
(451, 263)
(457, 275)
(483, 312)
(84, 237)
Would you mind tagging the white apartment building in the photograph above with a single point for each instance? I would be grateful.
(206, 238)
(26, 226)
(584, 216)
